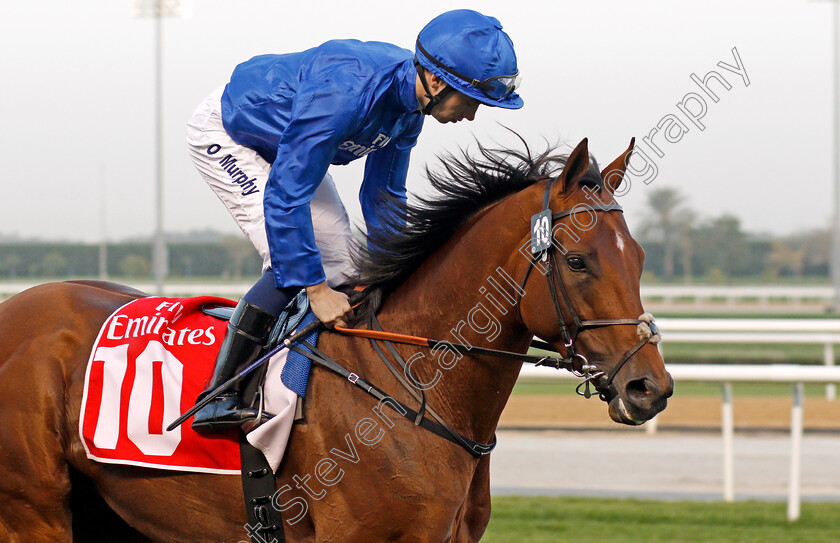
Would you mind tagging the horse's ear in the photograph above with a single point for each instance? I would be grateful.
(614, 173)
(577, 164)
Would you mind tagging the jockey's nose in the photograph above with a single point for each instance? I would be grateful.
(470, 115)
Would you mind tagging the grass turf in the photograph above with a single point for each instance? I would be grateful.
(540, 519)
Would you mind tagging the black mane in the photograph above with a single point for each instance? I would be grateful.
(463, 186)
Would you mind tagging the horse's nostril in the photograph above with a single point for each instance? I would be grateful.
(642, 392)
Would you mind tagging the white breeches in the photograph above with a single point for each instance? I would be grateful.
(238, 175)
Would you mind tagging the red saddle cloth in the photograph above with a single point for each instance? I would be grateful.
(151, 360)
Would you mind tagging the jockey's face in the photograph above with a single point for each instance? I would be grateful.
(455, 107)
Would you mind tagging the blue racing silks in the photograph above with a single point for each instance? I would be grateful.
(301, 112)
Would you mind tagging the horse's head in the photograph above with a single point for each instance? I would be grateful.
(582, 291)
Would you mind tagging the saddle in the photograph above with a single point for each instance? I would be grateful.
(253, 392)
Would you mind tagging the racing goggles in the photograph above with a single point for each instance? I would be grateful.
(497, 87)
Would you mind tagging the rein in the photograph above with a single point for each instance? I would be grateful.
(437, 427)
(379, 335)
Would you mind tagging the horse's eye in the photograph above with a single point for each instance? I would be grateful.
(576, 263)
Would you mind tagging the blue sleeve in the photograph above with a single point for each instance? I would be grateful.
(322, 117)
(386, 170)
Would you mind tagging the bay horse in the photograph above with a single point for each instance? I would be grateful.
(350, 475)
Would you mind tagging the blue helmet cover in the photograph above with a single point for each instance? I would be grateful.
(474, 45)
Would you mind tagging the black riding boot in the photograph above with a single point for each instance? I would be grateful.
(247, 333)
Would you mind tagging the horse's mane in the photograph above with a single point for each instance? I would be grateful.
(462, 186)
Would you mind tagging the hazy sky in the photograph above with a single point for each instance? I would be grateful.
(78, 106)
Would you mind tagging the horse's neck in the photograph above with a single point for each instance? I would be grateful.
(464, 294)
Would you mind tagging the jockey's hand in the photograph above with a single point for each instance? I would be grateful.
(330, 306)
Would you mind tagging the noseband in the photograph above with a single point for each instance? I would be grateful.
(645, 326)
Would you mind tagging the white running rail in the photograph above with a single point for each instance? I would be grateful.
(795, 374)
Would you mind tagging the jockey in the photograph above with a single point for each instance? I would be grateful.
(264, 142)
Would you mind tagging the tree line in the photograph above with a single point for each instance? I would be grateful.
(226, 257)
(679, 246)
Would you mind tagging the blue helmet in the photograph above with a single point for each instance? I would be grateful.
(472, 54)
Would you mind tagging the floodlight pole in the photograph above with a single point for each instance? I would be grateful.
(158, 9)
(835, 148)
(103, 225)
(159, 263)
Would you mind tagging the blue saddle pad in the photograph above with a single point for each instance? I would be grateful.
(295, 374)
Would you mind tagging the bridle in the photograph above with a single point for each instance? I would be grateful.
(579, 365)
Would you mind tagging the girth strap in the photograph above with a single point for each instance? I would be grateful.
(265, 523)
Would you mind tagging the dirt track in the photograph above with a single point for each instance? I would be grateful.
(546, 411)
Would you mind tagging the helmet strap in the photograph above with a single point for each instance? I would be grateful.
(434, 99)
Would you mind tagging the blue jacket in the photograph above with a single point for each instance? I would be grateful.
(301, 112)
